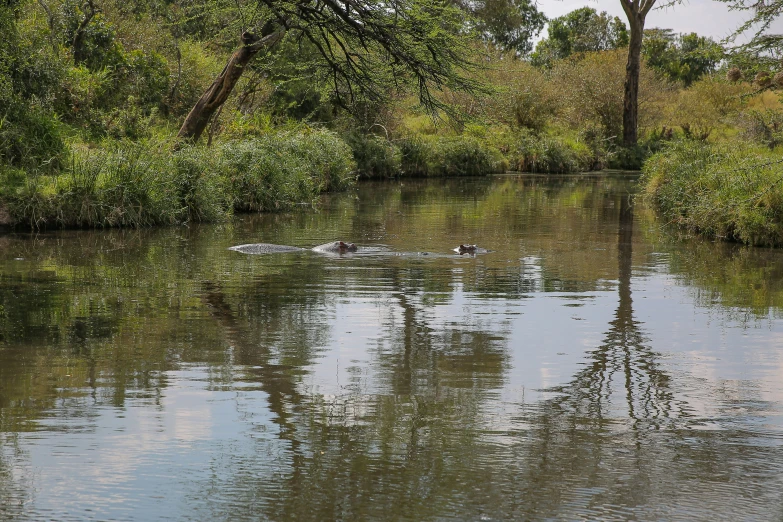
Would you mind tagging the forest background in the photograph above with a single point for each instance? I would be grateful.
(104, 120)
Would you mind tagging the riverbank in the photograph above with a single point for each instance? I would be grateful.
(152, 182)
(124, 183)
(730, 190)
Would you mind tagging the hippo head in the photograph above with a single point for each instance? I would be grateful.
(346, 247)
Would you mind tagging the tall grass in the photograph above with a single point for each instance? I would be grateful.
(276, 171)
(135, 184)
(551, 154)
(376, 157)
(729, 191)
(438, 156)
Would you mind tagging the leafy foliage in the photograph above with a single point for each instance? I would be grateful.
(681, 58)
(580, 31)
(509, 24)
(730, 191)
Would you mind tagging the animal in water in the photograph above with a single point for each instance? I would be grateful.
(470, 249)
(335, 247)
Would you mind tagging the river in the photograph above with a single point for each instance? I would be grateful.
(591, 366)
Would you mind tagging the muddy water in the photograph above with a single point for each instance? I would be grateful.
(590, 367)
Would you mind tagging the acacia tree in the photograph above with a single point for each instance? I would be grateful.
(636, 11)
(508, 24)
(580, 31)
(764, 49)
(368, 46)
(764, 13)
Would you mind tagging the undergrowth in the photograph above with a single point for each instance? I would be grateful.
(728, 190)
(149, 182)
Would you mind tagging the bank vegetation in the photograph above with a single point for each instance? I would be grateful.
(94, 93)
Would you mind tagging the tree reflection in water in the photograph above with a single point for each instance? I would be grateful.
(624, 364)
(430, 425)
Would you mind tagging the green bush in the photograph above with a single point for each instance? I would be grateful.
(30, 137)
(100, 48)
(729, 191)
(763, 127)
(550, 154)
(276, 171)
(375, 157)
(462, 156)
(415, 155)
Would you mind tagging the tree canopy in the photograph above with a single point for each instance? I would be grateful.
(509, 24)
(369, 47)
(682, 58)
(582, 30)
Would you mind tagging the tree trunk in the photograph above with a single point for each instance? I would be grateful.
(79, 55)
(631, 94)
(221, 88)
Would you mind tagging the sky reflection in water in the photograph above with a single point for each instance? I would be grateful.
(590, 367)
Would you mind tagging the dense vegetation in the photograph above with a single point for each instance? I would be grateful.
(93, 94)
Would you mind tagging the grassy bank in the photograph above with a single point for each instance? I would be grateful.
(148, 182)
(730, 190)
(478, 153)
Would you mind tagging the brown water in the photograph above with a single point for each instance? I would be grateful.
(590, 367)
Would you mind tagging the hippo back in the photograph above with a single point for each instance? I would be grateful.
(265, 248)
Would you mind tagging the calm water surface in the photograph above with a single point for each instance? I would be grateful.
(591, 367)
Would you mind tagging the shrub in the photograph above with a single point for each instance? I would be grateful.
(550, 154)
(375, 157)
(591, 91)
(30, 137)
(462, 156)
(762, 126)
(703, 108)
(729, 190)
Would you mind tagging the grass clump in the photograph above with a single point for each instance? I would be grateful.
(438, 156)
(129, 184)
(144, 183)
(462, 156)
(729, 191)
(276, 171)
(550, 154)
(376, 157)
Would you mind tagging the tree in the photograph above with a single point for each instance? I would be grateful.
(509, 24)
(681, 58)
(764, 49)
(765, 12)
(580, 31)
(636, 11)
(369, 46)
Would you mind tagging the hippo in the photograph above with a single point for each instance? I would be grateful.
(335, 247)
(470, 250)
